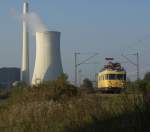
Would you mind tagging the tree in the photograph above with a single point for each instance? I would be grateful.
(63, 77)
(147, 76)
(131, 87)
(87, 83)
(142, 85)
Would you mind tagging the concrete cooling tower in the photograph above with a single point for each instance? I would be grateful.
(48, 65)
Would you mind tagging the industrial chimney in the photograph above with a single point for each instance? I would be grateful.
(25, 49)
(48, 64)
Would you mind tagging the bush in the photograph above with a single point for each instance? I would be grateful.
(148, 88)
(58, 106)
(87, 84)
(147, 76)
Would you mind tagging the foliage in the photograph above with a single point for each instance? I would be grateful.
(87, 84)
(58, 106)
(131, 86)
(147, 76)
(142, 86)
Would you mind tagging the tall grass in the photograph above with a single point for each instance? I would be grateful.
(58, 106)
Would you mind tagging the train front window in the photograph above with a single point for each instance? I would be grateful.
(111, 77)
(125, 77)
(121, 77)
(116, 77)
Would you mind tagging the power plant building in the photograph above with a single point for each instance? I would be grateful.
(48, 65)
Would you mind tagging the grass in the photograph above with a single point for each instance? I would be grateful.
(60, 107)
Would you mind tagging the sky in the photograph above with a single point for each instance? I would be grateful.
(108, 27)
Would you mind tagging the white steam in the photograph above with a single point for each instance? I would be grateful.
(34, 22)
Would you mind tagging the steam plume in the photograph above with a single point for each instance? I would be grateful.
(34, 22)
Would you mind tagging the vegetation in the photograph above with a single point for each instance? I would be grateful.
(58, 106)
(87, 85)
(140, 86)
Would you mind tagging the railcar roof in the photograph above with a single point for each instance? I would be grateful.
(112, 72)
(111, 66)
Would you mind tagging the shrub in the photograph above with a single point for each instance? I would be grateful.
(147, 76)
(58, 106)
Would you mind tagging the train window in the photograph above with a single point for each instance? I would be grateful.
(114, 77)
(111, 77)
(121, 77)
(125, 77)
(101, 78)
(106, 77)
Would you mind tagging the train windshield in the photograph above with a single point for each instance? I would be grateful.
(111, 77)
(116, 76)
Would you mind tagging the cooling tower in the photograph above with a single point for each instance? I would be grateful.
(48, 64)
(25, 49)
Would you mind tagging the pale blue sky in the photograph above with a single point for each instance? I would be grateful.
(110, 27)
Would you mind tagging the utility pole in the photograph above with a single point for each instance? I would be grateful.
(76, 65)
(138, 68)
(80, 77)
(137, 65)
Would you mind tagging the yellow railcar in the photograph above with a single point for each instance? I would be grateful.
(112, 80)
